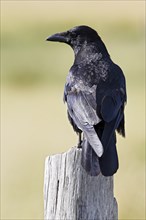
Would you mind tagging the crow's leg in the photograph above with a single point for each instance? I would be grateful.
(80, 140)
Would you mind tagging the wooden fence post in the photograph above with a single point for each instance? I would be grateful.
(71, 194)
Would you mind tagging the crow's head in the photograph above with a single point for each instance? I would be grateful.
(76, 37)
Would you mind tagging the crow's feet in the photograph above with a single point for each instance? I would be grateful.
(79, 145)
(80, 141)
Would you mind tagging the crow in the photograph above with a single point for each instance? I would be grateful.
(95, 93)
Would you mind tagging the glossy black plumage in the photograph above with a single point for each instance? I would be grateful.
(95, 93)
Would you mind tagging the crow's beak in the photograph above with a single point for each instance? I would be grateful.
(59, 37)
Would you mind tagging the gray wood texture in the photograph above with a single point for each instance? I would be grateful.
(71, 194)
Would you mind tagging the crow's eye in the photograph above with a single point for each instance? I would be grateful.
(73, 35)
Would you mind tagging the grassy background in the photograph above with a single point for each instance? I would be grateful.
(34, 122)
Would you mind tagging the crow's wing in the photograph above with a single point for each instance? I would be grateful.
(110, 105)
(81, 104)
(112, 112)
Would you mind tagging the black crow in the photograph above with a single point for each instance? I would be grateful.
(95, 93)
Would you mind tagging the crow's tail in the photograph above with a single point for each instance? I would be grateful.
(107, 164)
(89, 159)
(109, 160)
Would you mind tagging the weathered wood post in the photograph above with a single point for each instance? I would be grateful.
(71, 194)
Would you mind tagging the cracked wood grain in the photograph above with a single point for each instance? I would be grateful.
(71, 194)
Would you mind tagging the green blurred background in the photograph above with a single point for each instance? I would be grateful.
(34, 121)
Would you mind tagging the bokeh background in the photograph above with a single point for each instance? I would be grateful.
(34, 121)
